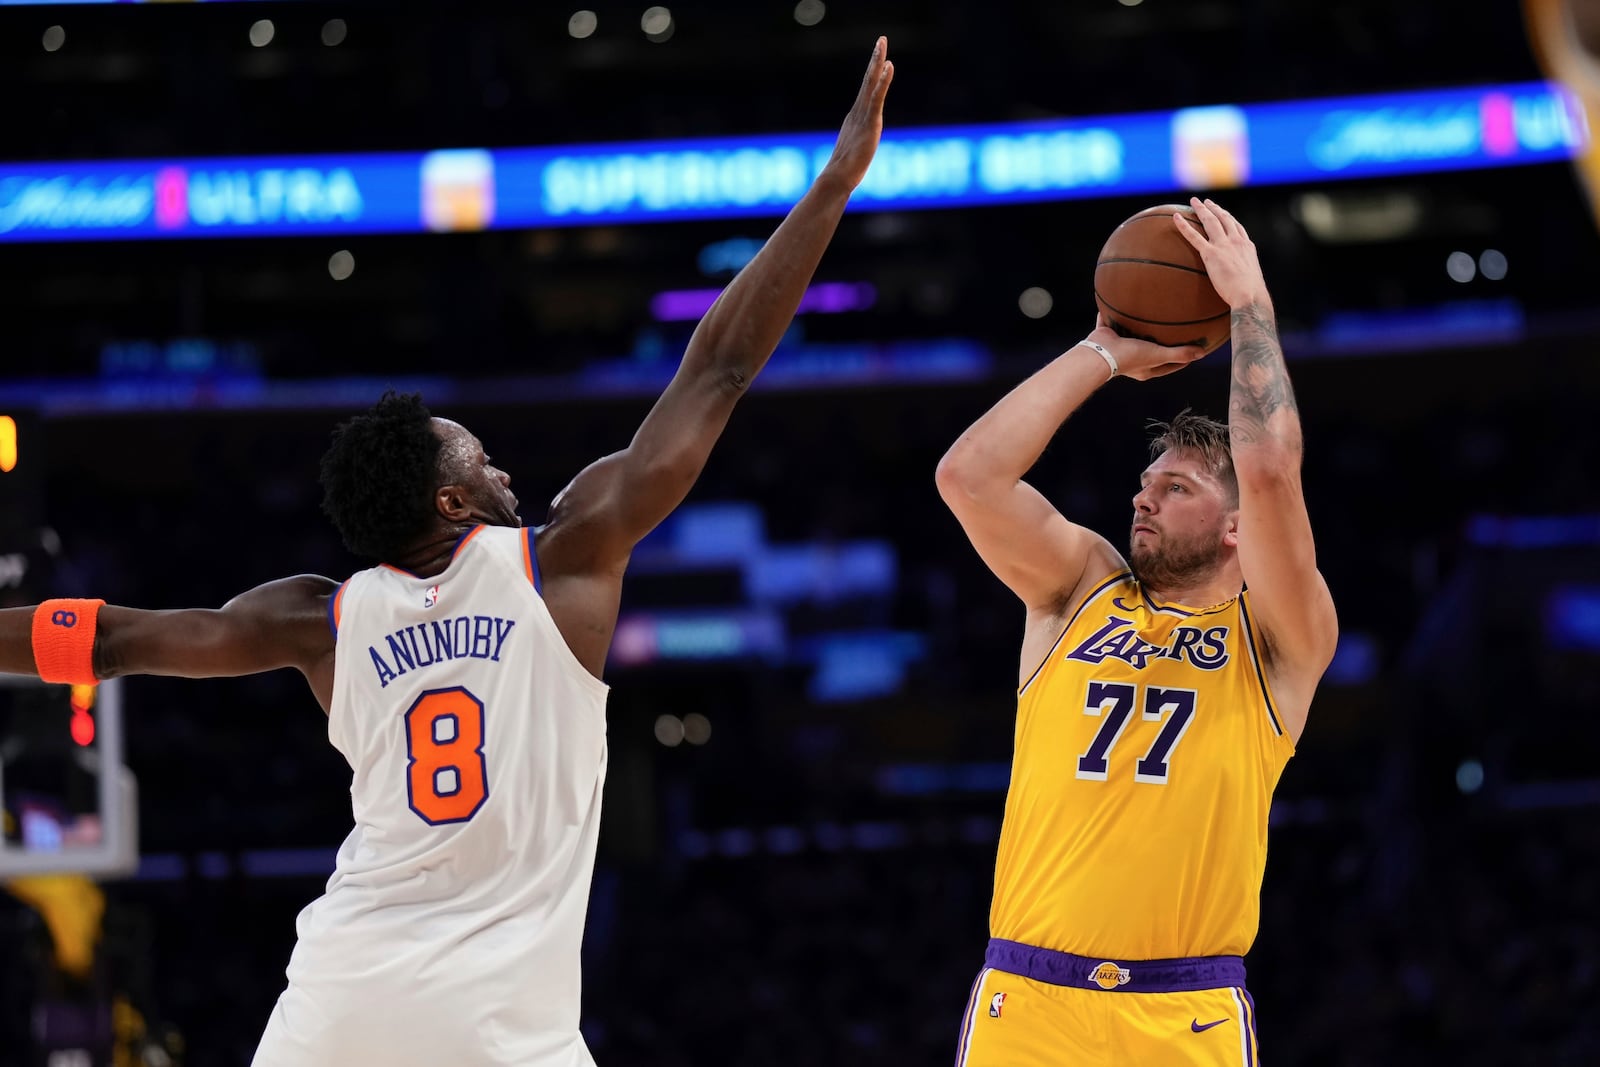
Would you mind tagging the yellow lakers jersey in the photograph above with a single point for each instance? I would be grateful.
(1147, 749)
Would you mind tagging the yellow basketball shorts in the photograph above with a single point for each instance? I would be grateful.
(1033, 1007)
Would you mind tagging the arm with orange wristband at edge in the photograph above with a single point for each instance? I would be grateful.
(279, 624)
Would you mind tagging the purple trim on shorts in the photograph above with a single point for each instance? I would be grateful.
(966, 1020)
(1254, 1039)
(1119, 976)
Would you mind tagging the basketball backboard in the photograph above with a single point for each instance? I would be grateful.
(69, 803)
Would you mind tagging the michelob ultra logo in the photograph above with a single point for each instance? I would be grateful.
(178, 197)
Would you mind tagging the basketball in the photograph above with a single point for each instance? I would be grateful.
(1150, 283)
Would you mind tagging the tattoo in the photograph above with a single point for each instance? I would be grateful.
(1261, 386)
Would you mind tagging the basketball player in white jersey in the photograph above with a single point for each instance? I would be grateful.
(462, 680)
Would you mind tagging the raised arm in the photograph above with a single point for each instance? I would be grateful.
(280, 624)
(595, 522)
(1276, 552)
(1039, 555)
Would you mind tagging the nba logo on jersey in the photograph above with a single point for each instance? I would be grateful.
(996, 1002)
(1109, 976)
(431, 597)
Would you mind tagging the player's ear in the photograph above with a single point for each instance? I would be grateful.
(450, 501)
(1230, 531)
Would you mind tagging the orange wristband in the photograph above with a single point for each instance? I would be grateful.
(63, 641)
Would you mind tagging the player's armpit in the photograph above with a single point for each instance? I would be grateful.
(279, 624)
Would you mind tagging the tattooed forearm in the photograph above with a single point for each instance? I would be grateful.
(1261, 401)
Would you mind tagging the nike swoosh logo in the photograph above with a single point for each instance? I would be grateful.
(1199, 1029)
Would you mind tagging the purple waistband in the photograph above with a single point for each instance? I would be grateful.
(1116, 976)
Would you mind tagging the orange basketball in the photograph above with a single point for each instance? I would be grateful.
(1150, 283)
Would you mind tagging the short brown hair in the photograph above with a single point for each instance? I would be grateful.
(1199, 436)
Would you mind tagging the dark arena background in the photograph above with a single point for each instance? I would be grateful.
(226, 226)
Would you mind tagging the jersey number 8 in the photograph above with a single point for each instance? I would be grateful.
(447, 777)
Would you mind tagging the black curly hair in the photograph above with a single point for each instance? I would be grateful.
(379, 475)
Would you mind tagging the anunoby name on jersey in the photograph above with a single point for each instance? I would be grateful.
(432, 643)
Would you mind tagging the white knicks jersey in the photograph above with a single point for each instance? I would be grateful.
(451, 928)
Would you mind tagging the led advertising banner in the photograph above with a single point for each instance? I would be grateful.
(1194, 149)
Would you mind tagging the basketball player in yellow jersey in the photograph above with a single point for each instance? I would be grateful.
(1160, 697)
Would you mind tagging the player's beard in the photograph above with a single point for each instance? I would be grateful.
(1172, 563)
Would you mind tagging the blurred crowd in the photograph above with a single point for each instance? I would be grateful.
(1403, 920)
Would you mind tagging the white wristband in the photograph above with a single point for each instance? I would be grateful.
(1111, 361)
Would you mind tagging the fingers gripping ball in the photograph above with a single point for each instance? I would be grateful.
(1150, 283)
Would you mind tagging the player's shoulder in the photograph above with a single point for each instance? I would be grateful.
(497, 555)
(299, 594)
(295, 609)
(312, 584)
(501, 545)
(286, 592)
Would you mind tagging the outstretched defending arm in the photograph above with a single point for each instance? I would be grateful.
(1025, 541)
(595, 522)
(280, 624)
(1276, 552)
